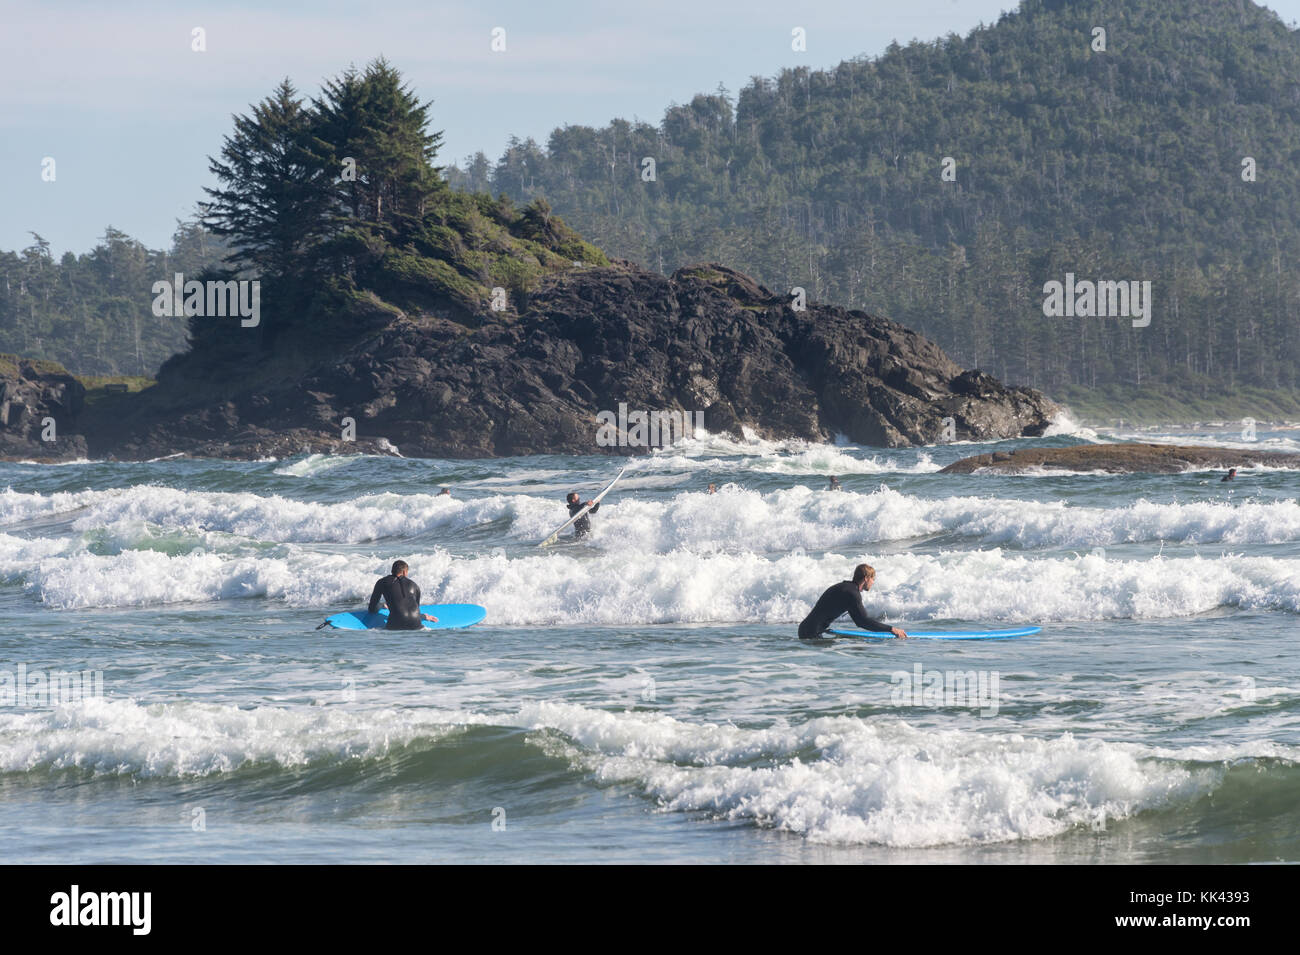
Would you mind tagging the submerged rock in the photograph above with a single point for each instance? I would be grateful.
(1121, 459)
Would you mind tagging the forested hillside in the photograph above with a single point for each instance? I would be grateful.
(91, 312)
(1127, 163)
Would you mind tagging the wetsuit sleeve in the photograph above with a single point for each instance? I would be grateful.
(374, 597)
(594, 509)
(417, 597)
(859, 615)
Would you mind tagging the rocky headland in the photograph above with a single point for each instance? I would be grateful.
(708, 341)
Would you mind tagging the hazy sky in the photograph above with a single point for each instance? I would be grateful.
(113, 92)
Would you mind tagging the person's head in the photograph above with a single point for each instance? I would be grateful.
(713, 489)
(446, 491)
(573, 497)
(864, 575)
(1232, 472)
(400, 568)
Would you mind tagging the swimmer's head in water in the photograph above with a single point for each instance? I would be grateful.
(399, 568)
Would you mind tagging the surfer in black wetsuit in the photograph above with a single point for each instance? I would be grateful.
(402, 595)
(845, 597)
(1230, 476)
(582, 526)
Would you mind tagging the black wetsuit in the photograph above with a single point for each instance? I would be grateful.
(582, 526)
(844, 597)
(402, 595)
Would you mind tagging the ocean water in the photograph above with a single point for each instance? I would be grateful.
(641, 696)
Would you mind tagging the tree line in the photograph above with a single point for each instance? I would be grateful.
(92, 312)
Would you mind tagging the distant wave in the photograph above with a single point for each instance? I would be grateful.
(1226, 439)
(735, 519)
(722, 454)
(314, 464)
(1064, 425)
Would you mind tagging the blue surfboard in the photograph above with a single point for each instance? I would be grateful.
(945, 634)
(450, 617)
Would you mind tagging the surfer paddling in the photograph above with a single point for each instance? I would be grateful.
(402, 595)
(845, 597)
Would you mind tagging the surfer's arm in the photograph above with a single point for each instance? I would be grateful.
(594, 508)
(374, 599)
(418, 598)
(859, 615)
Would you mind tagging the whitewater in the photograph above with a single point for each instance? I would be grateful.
(641, 695)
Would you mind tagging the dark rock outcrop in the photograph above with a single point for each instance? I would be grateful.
(39, 405)
(1121, 458)
(707, 340)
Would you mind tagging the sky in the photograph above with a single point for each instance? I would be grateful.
(129, 112)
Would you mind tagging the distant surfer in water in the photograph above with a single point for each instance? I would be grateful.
(845, 597)
(402, 595)
(582, 526)
(835, 484)
(1230, 476)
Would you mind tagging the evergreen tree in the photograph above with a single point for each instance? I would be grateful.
(373, 125)
(274, 195)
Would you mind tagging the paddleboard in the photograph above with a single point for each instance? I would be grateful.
(555, 534)
(450, 617)
(945, 634)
